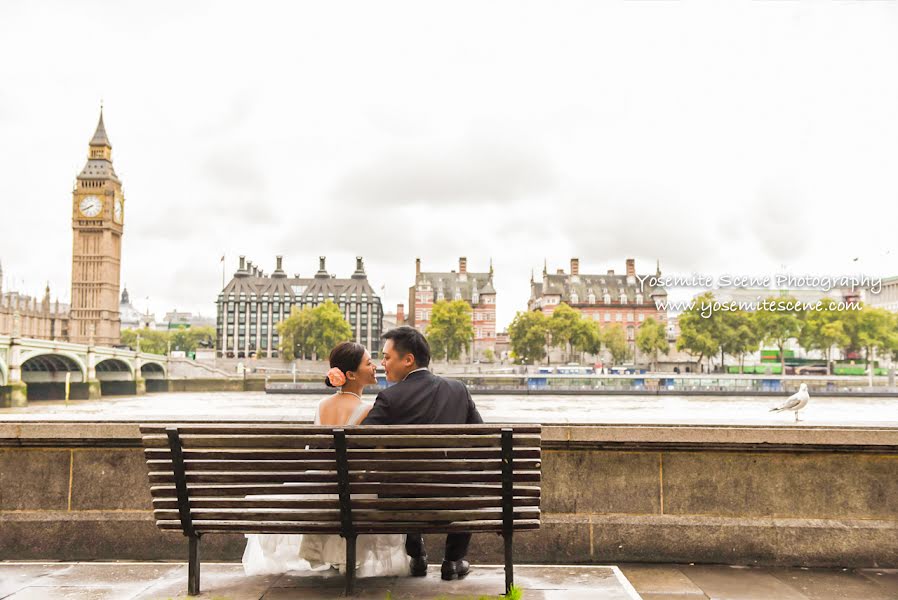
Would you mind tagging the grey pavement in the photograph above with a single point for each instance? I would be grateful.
(226, 581)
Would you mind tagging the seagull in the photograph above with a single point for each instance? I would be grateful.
(795, 402)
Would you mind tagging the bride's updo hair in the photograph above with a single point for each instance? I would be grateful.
(346, 356)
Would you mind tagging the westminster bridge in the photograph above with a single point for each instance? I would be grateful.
(41, 368)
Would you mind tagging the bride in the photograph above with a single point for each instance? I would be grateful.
(376, 555)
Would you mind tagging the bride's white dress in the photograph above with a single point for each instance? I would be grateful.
(376, 555)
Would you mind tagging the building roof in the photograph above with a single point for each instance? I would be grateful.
(567, 285)
(100, 138)
(460, 285)
(250, 280)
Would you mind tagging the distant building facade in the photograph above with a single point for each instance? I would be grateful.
(26, 316)
(887, 297)
(252, 304)
(609, 299)
(474, 288)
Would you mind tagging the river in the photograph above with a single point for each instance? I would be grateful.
(717, 410)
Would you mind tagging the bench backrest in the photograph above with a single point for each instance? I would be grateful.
(262, 478)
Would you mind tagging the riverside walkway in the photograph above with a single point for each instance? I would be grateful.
(226, 581)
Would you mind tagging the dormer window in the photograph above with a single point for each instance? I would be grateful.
(591, 298)
(638, 298)
(574, 298)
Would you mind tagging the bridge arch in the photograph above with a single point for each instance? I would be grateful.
(152, 370)
(51, 366)
(114, 368)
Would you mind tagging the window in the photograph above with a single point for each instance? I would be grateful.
(617, 317)
(641, 318)
(630, 317)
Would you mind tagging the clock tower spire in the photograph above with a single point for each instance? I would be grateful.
(97, 227)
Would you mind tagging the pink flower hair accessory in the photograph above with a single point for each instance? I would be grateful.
(336, 377)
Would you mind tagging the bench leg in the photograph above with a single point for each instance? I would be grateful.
(509, 561)
(193, 566)
(350, 564)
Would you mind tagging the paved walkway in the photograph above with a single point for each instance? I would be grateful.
(225, 581)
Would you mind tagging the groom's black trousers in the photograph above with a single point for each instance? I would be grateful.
(456, 545)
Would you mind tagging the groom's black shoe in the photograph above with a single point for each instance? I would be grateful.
(419, 566)
(455, 569)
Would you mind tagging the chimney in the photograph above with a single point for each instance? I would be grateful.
(560, 272)
(631, 267)
(575, 266)
(242, 263)
(321, 263)
(611, 271)
(280, 263)
(417, 267)
(400, 314)
(322, 272)
(462, 265)
(359, 269)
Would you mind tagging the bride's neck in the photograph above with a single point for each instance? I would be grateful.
(353, 388)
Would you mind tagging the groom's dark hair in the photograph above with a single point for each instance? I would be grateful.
(409, 340)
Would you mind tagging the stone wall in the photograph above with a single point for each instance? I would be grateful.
(811, 496)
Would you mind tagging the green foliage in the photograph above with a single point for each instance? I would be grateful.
(527, 337)
(823, 329)
(489, 356)
(450, 330)
(189, 339)
(651, 338)
(615, 340)
(313, 331)
(739, 335)
(778, 326)
(151, 340)
(564, 326)
(698, 335)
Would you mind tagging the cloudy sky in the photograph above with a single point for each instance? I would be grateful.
(739, 137)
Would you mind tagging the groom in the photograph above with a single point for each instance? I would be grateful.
(419, 396)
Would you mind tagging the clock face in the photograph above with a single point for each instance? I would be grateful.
(91, 206)
(117, 210)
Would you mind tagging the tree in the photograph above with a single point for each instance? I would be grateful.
(698, 335)
(652, 338)
(327, 328)
(564, 326)
(776, 326)
(451, 329)
(189, 339)
(739, 336)
(823, 329)
(875, 332)
(489, 356)
(615, 339)
(151, 340)
(587, 338)
(527, 336)
(293, 333)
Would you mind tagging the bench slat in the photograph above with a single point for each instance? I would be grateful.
(279, 429)
(353, 441)
(354, 465)
(364, 528)
(420, 489)
(357, 504)
(358, 516)
(325, 454)
(354, 477)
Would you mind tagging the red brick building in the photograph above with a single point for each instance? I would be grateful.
(608, 299)
(474, 288)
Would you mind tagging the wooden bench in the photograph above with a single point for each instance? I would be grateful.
(417, 478)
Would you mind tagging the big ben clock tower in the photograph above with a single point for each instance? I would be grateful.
(97, 224)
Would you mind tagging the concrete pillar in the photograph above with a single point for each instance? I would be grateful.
(18, 392)
(93, 384)
(140, 384)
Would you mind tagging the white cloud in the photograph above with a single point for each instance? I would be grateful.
(703, 134)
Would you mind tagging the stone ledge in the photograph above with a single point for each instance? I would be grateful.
(586, 436)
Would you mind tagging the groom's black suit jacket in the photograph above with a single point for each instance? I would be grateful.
(424, 398)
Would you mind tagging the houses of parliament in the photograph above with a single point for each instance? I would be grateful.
(98, 210)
